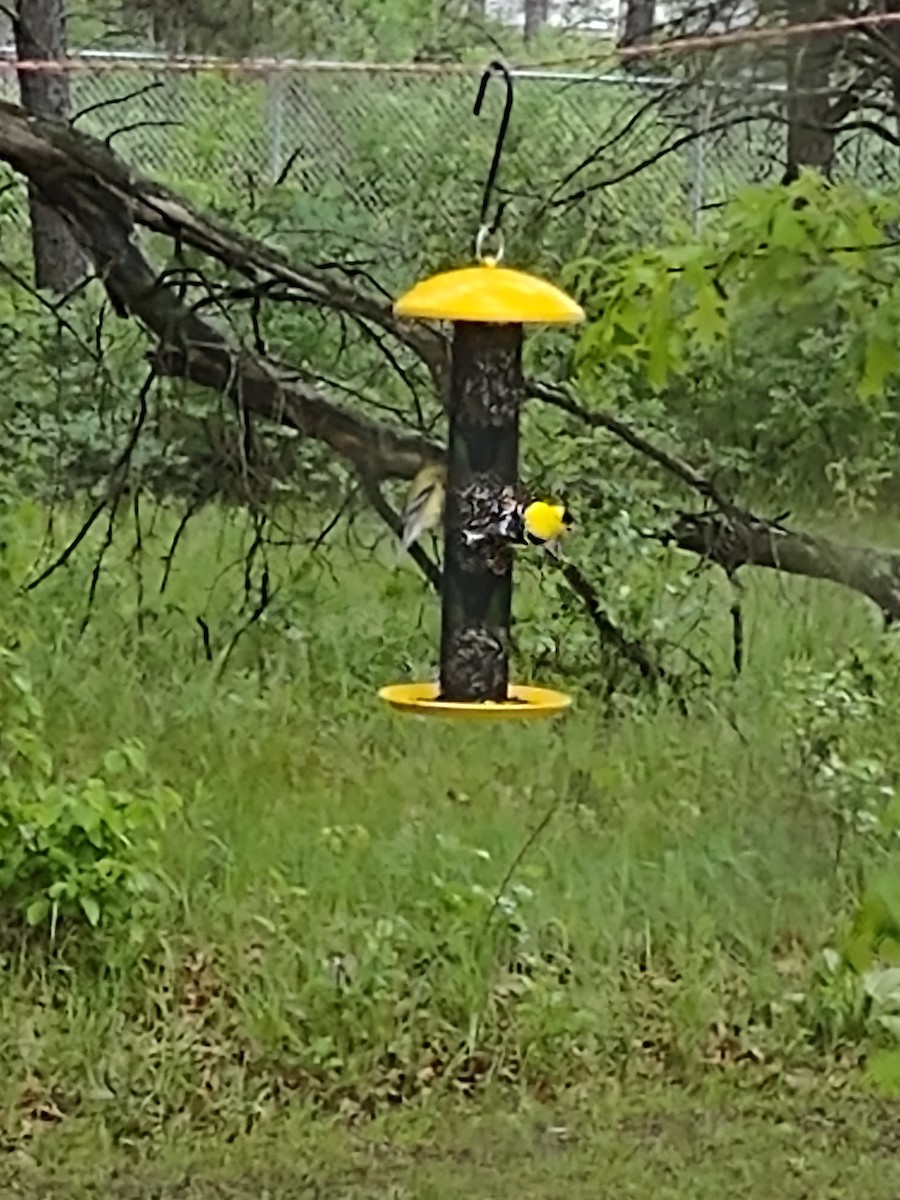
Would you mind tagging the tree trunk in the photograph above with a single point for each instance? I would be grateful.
(135, 22)
(891, 58)
(810, 64)
(637, 27)
(536, 12)
(40, 34)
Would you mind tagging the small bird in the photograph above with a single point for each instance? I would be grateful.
(545, 524)
(425, 503)
(524, 523)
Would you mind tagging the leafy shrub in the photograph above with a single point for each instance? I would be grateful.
(69, 847)
(768, 335)
(835, 722)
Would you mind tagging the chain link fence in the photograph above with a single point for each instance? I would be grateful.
(395, 157)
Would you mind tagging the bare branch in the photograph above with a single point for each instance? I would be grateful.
(114, 491)
(100, 104)
(732, 537)
(556, 397)
(610, 633)
(671, 147)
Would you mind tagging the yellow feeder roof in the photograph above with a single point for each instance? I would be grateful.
(490, 294)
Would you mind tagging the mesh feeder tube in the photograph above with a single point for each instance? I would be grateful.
(489, 307)
(482, 467)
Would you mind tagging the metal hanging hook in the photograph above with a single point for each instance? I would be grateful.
(493, 227)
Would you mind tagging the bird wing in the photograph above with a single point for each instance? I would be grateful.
(420, 513)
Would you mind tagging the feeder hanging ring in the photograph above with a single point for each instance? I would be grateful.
(483, 234)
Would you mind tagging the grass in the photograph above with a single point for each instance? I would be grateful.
(365, 979)
(718, 1142)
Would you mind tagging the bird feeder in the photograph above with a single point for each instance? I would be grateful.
(488, 306)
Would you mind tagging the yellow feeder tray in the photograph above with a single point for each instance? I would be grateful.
(421, 699)
(489, 294)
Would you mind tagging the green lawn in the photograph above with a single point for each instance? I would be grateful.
(365, 980)
(723, 1141)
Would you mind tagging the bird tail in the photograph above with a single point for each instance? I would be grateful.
(412, 525)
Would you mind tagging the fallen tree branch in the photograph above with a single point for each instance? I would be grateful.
(735, 540)
(558, 398)
(101, 200)
(104, 202)
(264, 390)
(733, 537)
(51, 153)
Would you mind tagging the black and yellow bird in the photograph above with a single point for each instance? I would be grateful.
(528, 523)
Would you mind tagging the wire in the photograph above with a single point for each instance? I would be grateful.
(136, 60)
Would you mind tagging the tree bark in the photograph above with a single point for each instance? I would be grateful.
(810, 66)
(40, 34)
(637, 27)
(536, 12)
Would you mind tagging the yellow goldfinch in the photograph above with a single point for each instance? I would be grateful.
(544, 524)
(532, 524)
(424, 504)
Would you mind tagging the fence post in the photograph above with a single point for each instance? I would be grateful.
(275, 90)
(698, 149)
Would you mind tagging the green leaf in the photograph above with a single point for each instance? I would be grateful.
(883, 1071)
(876, 927)
(788, 232)
(881, 361)
(21, 682)
(708, 318)
(659, 331)
(136, 757)
(91, 909)
(114, 763)
(37, 911)
(883, 986)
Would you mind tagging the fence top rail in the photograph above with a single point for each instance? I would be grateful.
(112, 60)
